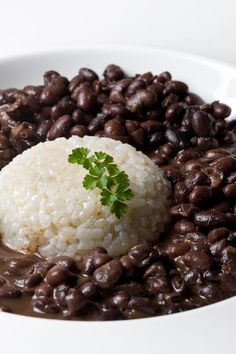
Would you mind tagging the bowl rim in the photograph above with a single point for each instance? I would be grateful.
(118, 48)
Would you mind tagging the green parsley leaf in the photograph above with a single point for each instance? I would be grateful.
(105, 175)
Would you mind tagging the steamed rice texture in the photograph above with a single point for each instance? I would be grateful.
(44, 208)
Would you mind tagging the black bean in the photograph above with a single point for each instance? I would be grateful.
(215, 176)
(215, 154)
(108, 313)
(191, 276)
(49, 76)
(75, 82)
(192, 165)
(178, 284)
(87, 266)
(114, 110)
(151, 126)
(155, 270)
(45, 305)
(217, 247)
(97, 123)
(157, 285)
(210, 219)
(164, 77)
(180, 193)
(138, 137)
(114, 127)
(57, 275)
(228, 283)
(197, 178)
(184, 226)
(64, 106)
(120, 300)
(32, 280)
(75, 301)
(200, 195)
(177, 138)
(167, 150)
(156, 139)
(88, 75)
(217, 234)
(113, 73)
(132, 288)
(54, 91)
(175, 112)
(86, 99)
(147, 77)
(66, 262)
(226, 165)
(183, 210)
(43, 128)
(140, 255)
(100, 259)
(193, 99)
(172, 173)
(135, 86)
(79, 130)
(229, 257)
(60, 295)
(198, 260)
(23, 136)
(169, 100)
(220, 110)
(142, 304)
(177, 87)
(202, 124)
(89, 289)
(108, 274)
(186, 155)
(141, 99)
(118, 90)
(230, 191)
(60, 128)
(211, 293)
(232, 178)
(177, 249)
(44, 290)
(41, 268)
(128, 266)
(33, 90)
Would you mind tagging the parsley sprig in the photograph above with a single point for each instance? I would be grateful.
(105, 175)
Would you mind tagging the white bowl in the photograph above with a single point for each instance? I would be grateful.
(206, 330)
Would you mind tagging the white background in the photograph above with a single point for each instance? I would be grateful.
(205, 27)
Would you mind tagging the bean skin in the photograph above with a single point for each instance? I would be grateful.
(210, 219)
(60, 128)
(141, 99)
(108, 274)
(197, 260)
(220, 110)
(57, 275)
(230, 191)
(200, 195)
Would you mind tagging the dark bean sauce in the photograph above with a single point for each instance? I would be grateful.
(194, 262)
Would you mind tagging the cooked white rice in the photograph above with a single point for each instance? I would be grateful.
(44, 207)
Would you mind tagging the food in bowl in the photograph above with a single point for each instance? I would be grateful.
(65, 253)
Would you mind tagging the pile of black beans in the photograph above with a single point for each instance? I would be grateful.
(194, 262)
(147, 111)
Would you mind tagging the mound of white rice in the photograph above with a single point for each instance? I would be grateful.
(44, 207)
